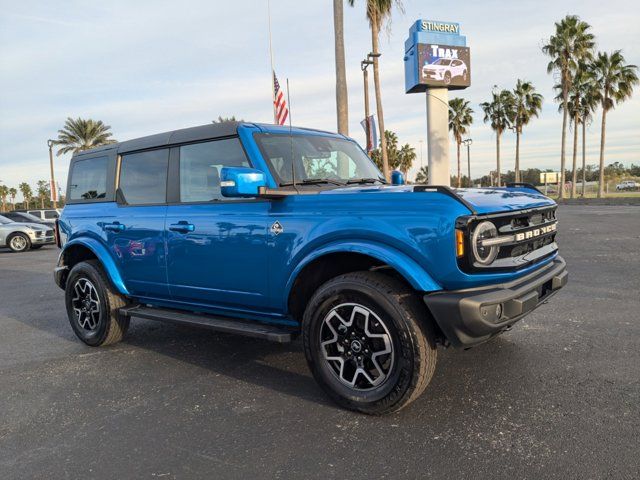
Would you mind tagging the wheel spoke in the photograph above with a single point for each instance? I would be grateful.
(359, 352)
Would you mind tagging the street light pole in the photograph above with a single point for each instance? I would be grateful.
(468, 143)
(54, 190)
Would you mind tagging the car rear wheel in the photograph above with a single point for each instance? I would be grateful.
(92, 305)
(367, 344)
(19, 242)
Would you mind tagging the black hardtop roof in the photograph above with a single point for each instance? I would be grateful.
(191, 134)
(184, 135)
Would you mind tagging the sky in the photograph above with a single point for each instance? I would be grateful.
(145, 67)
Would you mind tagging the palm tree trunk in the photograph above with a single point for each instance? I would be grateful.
(498, 157)
(584, 158)
(602, 139)
(459, 172)
(376, 82)
(517, 154)
(565, 95)
(574, 176)
(342, 104)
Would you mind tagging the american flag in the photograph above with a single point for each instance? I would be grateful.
(279, 103)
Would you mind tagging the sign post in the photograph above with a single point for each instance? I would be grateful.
(437, 60)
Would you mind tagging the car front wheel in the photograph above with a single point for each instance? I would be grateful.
(367, 344)
(19, 242)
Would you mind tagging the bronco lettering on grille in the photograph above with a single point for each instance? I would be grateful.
(536, 233)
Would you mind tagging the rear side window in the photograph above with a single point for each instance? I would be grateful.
(89, 179)
(200, 166)
(49, 214)
(143, 177)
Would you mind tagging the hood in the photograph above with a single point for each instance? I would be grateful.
(33, 226)
(494, 200)
(482, 200)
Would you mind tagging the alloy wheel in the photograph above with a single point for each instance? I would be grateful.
(86, 304)
(357, 346)
(18, 243)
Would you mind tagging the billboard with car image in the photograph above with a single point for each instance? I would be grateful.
(444, 65)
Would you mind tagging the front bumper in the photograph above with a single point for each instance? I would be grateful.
(471, 316)
(43, 240)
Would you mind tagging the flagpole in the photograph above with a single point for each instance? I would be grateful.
(273, 86)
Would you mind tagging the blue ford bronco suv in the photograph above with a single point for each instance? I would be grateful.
(273, 232)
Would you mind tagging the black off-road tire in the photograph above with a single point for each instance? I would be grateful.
(27, 242)
(110, 327)
(407, 322)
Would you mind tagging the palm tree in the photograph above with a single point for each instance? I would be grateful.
(342, 101)
(80, 134)
(527, 104)
(222, 119)
(12, 193)
(581, 103)
(497, 113)
(423, 175)
(460, 119)
(25, 189)
(44, 191)
(4, 192)
(570, 44)
(379, 11)
(615, 81)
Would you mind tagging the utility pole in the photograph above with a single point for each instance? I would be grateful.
(468, 143)
(365, 75)
(54, 190)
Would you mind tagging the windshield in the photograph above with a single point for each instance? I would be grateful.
(4, 220)
(316, 158)
(442, 61)
(27, 217)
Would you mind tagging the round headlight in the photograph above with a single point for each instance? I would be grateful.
(484, 255)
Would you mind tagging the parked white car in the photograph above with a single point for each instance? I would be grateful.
(445, 69)
(20, 237)
(627, 185)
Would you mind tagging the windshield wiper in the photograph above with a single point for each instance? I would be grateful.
(313, 181)
(365, 180)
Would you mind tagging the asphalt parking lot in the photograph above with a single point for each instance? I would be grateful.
(556, 397)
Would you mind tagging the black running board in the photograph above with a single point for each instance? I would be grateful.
(212, 322)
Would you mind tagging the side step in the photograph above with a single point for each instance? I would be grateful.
(221, 324)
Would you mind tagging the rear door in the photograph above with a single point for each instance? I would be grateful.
(216, 245)
(136, 233)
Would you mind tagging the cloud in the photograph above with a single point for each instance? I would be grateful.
(145, 67)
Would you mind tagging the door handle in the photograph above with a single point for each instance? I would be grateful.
(113, 227)
(182, 227)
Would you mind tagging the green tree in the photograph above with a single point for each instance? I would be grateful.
(527, 104)
(4, 193)
(80, 134)
(399, 158)
(12, 193)
(44, 191)
(460, 119)
(379, 12)
(423, 175)
(496, 114)
(615, 81)
(570, 44)
(25, 189)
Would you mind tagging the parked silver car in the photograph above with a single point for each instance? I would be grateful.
(20, 237)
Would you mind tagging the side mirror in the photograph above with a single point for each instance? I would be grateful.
(397, 178)
(241, 181)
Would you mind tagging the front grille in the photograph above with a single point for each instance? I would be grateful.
(524, 237)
